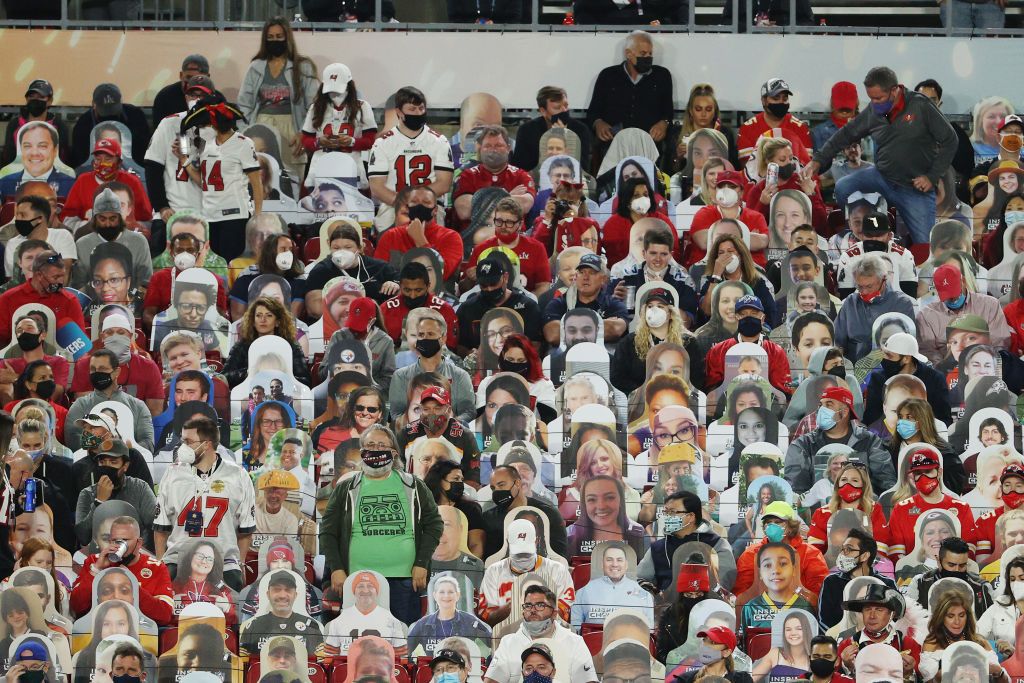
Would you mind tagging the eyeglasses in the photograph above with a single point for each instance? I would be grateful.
(98, 283)
(535, 606)
(194, 308)
(372, 410)
(502, 223)
(270, 422)
(684, 434)
(500, 334)
(204, 557)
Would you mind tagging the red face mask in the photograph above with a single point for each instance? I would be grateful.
(1013, 500)
(506, 237)
(926, 484)
(868, 298)
(105, 168)
(850, 493)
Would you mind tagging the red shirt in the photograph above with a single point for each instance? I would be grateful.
(793, 129)
(615, 235)
(819, 212)
(1014, 313)
(82, 192)
(478, 177)
(141, 378)
(395, 312)
(156, 599)
(444, 241)
(901, 540)
(158, 294)
(59, 412)
(59, 365)
(64, 305)
(534, 261)
(778, 364)
(818, 534)
(708, 216)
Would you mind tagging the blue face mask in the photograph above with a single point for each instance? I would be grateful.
(774, 532)
(882, 108)
(671, 523)
(1013, 217)
(826, 418)
(447, 677)
(906, 428)
(957, 303)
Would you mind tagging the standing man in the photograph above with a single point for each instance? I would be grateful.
(775, 120)
(38, 99)
(173, 98)
(633, 94)
(914, 145)
(553, 105)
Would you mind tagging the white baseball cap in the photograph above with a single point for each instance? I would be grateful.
(522, 537)
(336, 78)
(903, 344)
(117, 321)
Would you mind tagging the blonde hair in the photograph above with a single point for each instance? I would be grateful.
(767, 147)
(981, 108)
(643, 341)
(867, 498)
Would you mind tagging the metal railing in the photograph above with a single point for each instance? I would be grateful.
(842, 17)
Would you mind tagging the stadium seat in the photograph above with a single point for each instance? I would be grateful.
(593, 640)
(580, 575)
(759, 641)
(920, 252)
(311, 250)
(339, 670)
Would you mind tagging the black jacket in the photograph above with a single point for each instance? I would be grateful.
(133, 117)
(494, 528)
(628, 370)
(934, 382)
(607, 12)
(236, 369)
(830, 600)
(84, 471)
(170, 100)
(527, 151)
(621, 103)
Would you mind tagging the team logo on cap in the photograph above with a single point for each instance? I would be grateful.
(348, 355)
(521, 537)
(334, 77)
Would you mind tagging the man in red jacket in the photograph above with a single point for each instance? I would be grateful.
(813, 569)
(775, 94)
(749, 327)
(415, 208)
(155, 594)
(106, 168)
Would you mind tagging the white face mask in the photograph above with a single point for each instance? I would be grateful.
(846, 563)
(184, 261)
(284, 260)
(344, 259)
(656, 317)
(727, 196)
(641, 205)
(337, 98)
(733, 265)
(1017, 588)
(186, 455)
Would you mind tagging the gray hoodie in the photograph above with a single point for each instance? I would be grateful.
(801, 404)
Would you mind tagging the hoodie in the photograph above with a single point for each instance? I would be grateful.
(801, 404)
(656, 565)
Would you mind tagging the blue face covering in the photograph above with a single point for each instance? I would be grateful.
(906, 428)
(826, 418)
(1013, 217)
(882, 108)
(957, 303)
(447, 677)
(774, 532)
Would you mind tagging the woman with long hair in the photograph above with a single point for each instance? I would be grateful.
(601, 458)
(200, 578)
(276, 257)
(279, 88)
(729, 260)
(915, 424)
(952, 621)
(518, 356)
(702, 113)
(264, 317)
(40, 553)
(779, 151)
(852, 491)
(603, 518)
(988, 116)
(658, 320)
(722, 314)
(338, 120)
(445, 480)
(268, 419)
(36, 381)
(793, 653)
(715, 652)
(635, 200)
(999, 622)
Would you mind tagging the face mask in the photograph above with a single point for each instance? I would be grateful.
(337, 99)
(190, 103)
(24, 228)
(53, 287)
(1011, 142)
(1012, 500)
(655, 317)
(501, 498)
(455, 490)
(523, 562)
(520, 367)
(284, 260)
(185, 454)
(845, 564)
(428, 348)
(641, 205)
(109, 472)
(850, 493)
(749, 326)
(109, 234)
(826, 418)
(536, 677)
(46, 388)
(954, 575)
(36, 455)
(420, 212)
(777, 109)
(733, 265)
(506, 237)
(561, 117)
(774, 532)
(377, 460)
(32, 677)
(120, 345)
(276, 48)
(101, 380)
(870, 296)
(926, 484)
(27, 341)
(786, 172)
(822, 668)
(434, 423)
(105, 169)
(415, 121)
(492, 297)
(125, 678)
(727, 196)
(1017, 589)
(1013, 217)
(890, 367)
(493, 159)
(838, 371)
(184, 260)
(906, 428)
(90, 441)
(37, 107)
(447, 677)
(882, 108)
(707, 654)
(670, 524)
(415, 302)
(538, 628)
(957, 303)
(343, 259)
(644, 64)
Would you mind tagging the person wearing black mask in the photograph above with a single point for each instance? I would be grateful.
(775, 94)
(32, 220)
(553, 105)
(750, 329)
(45, 288)
(38, 99)
(437, 422)
(509, 493)
(108, 225)
(36, 379)
(30, 663)
(824, 655)
(493, 280)
(633, 94)
(107, 105)
(900, 357)
(878, 236)
(112, 482)
(171, 99)
(954, 558)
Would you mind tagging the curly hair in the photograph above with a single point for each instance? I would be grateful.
(284, 326)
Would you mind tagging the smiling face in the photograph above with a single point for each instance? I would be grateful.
(793, 631)
(788, 213)
(777, 571)
(183, 357)
(202, 562)
(38, 153)
(614, 563)
(750, 427)
(601, 498)
(933, 534)
(961, 339)
(110, 281)
(727, 302)
(192, 306)
(702, 149)
(116, 621)
(991, 435)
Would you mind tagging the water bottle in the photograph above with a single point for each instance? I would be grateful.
(118, 555)
(30, 495)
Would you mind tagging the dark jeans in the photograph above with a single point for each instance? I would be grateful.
(232, 577)
(227, 238)
(405, 602)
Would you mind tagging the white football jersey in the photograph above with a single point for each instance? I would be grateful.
(499, 579)
(410, 161)
(225, 186)
(181, 192)
(225, 499)
(352, 624)
(336, 122)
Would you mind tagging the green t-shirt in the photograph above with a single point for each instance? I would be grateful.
(383, 537)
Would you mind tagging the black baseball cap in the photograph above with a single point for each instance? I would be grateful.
(448, 655)
(489, 272)
(41, 87)
(875, 223)
(107, 98)
(282, 578)
(538, 649)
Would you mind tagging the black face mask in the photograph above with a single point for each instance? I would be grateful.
(35, 107)
(561, 117)
(414, 302)
(415, 121)
(749, 326)
(27, 341)
(871, 245)
(520, 367)
(455, 490)
(24, 228)
(101, 381)
(109, 234)
(420, 212)
(501, 498)
(786, 172)
(838, 371)
(492, 297)
(819, 667)
(644, 64)
(890, 367)
(428, 348)
(276, 48)
(777, 109)
(953, 575)
(110, 472)
(46, 388)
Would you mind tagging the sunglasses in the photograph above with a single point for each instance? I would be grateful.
(372, 410)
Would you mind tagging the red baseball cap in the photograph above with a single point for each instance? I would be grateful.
(949, 282)
(841, 394)
(844, 95)
(720, 635)
(361, 312)
(439, 394)
(731, 178)
(924, 459)
(108, 146)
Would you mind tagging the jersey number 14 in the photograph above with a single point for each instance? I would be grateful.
(211, 178)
